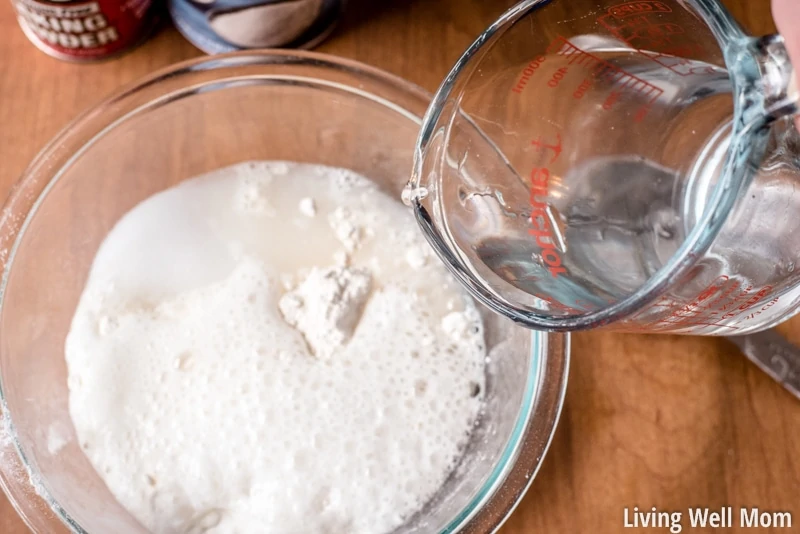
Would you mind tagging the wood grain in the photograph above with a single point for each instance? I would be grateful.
(666, 421)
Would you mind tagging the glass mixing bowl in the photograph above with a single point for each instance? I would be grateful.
(178, 123)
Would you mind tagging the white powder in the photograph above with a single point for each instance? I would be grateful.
(250, 199)
(327, 306)
(56, 440)
(417, 257)
(5, 439)
(10, 464)
(235, 368)
(340, 258)
(5, 429)
(345, 228)
(308, 207)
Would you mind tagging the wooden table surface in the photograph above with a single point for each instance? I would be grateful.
(658, 421)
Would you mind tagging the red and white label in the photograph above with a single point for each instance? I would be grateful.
(85, 30)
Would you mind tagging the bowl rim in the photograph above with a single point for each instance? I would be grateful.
(546, 384)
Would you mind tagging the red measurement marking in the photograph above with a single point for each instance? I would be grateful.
(622, 11)
(764, 308)
(557, 77)
(541, 226)
(555, 147)
(720, 305)
(679, 65)
(611, 100)
(641, 25)
(644, 33)
(581, 90)
(601, 69)
(527, 72)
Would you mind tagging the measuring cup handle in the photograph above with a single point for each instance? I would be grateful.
(773, 354)
(779, 79)
(787, 20)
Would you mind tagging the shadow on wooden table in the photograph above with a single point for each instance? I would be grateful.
(360, 12)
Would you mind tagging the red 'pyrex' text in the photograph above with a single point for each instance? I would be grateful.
(541, 226)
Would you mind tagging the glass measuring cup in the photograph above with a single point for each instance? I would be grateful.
(625, 165)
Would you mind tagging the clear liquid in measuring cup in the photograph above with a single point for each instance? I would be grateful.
(606, 164)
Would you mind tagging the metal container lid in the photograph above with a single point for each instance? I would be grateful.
(220, 26)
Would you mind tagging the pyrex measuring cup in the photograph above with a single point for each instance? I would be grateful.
(632, 166)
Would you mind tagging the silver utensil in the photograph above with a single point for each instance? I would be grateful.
(774, 355)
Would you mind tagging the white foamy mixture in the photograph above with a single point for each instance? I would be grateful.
(272, 348)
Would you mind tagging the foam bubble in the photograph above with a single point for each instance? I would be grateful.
(201, 408)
